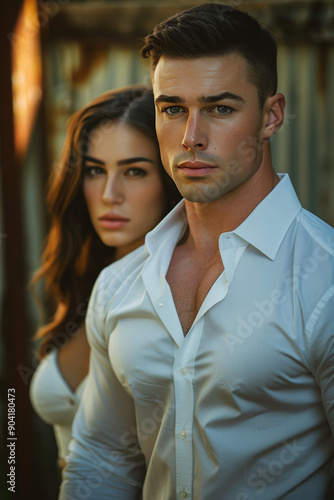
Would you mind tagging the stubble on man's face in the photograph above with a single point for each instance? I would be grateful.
(193, 126)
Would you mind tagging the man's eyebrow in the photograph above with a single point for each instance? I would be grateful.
(168, 98)
(220, 97)
(203, 99)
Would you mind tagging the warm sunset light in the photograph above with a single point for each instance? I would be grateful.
(26, 73)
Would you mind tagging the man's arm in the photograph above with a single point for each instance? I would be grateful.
(321, 351)
(102, 463)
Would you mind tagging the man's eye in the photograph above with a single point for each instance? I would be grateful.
(136, 172)
(222, 110)
(172, 110)
(93, 171)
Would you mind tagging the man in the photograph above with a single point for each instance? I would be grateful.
(213, 345)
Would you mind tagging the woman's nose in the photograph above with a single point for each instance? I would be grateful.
(113, 191)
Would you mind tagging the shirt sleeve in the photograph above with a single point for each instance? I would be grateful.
(103, 462)
(321, 351)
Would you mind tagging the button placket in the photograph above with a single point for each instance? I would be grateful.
(184, 414)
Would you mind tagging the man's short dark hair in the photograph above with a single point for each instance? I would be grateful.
(216, 29)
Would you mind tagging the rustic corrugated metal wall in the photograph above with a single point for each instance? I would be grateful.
(73, 80)
(304, 147)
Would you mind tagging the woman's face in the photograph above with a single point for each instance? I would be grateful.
(122, 185)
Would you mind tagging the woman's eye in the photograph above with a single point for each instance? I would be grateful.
(136, 172)
(172, 110)
(93, 171)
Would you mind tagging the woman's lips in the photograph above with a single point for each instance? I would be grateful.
(112, 221)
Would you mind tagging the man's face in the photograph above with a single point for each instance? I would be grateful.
(209, 124)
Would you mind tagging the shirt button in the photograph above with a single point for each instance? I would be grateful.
(183, 371)
(183, 494)
(183, 434)
(71, 401)
(161, 304)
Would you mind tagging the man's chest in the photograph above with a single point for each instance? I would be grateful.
(232, 351)
(190, 283)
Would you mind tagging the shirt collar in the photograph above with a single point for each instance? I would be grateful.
(264, 228)
(267, 225)
(169, 231)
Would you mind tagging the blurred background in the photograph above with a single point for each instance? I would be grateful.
(56, 55)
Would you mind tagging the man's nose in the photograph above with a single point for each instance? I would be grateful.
(195, 135)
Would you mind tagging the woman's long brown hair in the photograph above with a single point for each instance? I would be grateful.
(74, 255)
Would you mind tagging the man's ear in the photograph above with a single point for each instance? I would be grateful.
(274, 108)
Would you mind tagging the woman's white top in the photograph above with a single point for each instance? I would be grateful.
(54, 401)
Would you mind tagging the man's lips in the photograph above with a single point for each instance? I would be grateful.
(196, 168)
(113, 221)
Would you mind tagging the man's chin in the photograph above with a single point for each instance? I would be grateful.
(201, 193)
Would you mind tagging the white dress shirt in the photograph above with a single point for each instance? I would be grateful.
(242, 407)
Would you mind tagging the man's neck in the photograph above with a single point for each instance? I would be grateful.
(207, 221)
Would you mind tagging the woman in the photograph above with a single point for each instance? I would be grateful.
(109, 191)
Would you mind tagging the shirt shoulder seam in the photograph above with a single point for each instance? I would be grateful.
(310, 325)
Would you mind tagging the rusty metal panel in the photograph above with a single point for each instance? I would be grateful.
(75, 77)
(304, 146)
